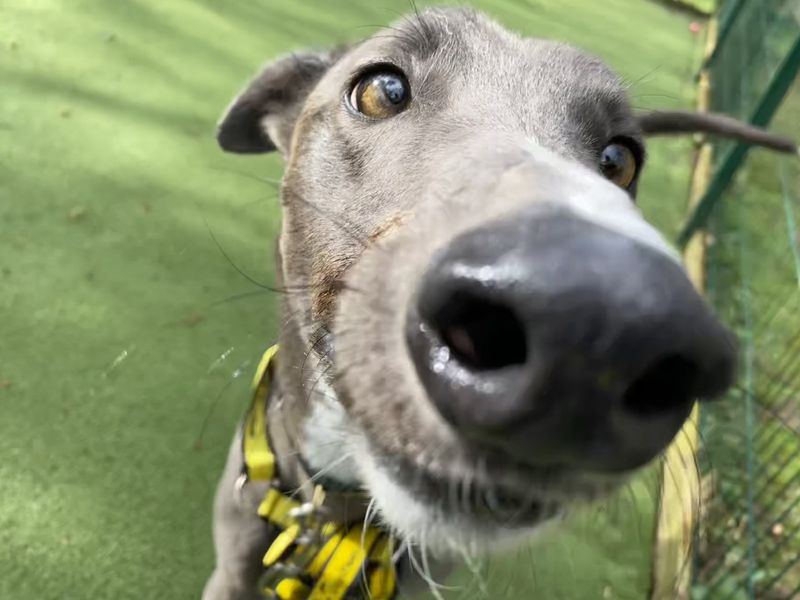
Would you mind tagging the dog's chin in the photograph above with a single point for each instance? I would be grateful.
(445, 525)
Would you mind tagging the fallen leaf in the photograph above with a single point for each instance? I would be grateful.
(191, 320)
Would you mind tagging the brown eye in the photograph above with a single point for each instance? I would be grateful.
(618, 163)
(380, 94)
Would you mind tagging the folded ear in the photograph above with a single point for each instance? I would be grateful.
(262, 117)
(678, 122)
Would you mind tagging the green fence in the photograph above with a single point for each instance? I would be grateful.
(749, 537)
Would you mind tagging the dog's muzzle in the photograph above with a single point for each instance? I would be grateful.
(562, 343)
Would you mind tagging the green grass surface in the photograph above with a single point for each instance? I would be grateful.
(117, 329)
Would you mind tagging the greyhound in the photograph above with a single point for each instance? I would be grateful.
(481, 330)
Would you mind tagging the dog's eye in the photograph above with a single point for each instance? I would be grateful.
(618, 163)
(380, 94)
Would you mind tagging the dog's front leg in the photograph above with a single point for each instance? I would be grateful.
(241, 537)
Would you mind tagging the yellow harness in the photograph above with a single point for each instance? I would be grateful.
(311, 558)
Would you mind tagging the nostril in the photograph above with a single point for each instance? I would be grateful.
(483, 335)
(666, 385)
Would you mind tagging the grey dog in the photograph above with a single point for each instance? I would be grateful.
(481, 328)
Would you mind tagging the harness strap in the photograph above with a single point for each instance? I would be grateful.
(259, 461)
(310, 558)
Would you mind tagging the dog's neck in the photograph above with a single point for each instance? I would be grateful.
(315, 457)
(313, 434)
(325, 447)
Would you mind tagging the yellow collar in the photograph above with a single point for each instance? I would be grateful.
(312, 558)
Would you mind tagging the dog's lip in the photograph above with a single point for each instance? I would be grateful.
(471, 498)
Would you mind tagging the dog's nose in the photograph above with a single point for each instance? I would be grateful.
(563, 343)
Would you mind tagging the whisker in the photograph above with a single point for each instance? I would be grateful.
(322, 472)
(198, 442)
(274, 183)
(475, 570)
(233, 264)
(368, 517)
(241, 296)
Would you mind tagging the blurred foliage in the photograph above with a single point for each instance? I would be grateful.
(707, 6)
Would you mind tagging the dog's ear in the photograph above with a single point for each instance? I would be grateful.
(262, 117)
(679, 121)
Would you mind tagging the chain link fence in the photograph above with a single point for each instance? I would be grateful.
(748, 542)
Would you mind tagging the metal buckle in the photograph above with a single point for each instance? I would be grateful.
(311, 518)
(311, 515)
(269, 580)
(238, 488)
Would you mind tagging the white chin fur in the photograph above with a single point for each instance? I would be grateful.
(444, 535)
(328, 427)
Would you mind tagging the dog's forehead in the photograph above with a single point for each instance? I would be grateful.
(470, 46)
(478, 71)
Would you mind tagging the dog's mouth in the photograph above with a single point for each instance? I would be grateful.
(502, 491)
(485, 495)
(473, 497)
(482, 509)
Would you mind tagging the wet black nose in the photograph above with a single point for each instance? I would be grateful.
(564, 343)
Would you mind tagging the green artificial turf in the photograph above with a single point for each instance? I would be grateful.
(122, 323)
